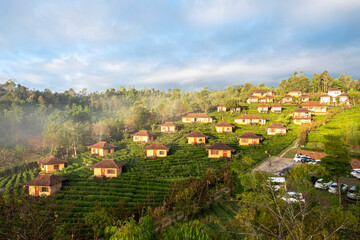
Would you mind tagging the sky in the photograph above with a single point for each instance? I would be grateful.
(165, 44)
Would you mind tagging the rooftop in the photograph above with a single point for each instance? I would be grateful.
(219, 146)
(224, 124)
(108, 163)
(102, 145)
(45, 180)
(50, 160)
(196, 134)
(249, 135)
(157, 146)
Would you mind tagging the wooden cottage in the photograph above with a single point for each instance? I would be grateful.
(51, 164)
(44, 185)
(305, 98)
(168, 127)
(316, 108)
(287, 99)
(276, 108)
(197, 118)
(156, 150)
(219, 150)
(142, 136)
(252, 99)
(196, 138)
(249, 139)
(102, 148)
(250, 120)
(262, 108)
(268, 99)
(295, 93)
(108, 168)
(224, 127)
(221, 108)
(276, 129)
(302, 116)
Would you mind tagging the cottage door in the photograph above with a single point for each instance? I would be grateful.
(224, 154)
(154, 152)
(36, 191)
(103, 172)
(168, 129)
(254, 141)
(223, 129)
(195, 140)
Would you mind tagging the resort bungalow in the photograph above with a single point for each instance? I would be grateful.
(236, 110)
(249, 138)
(276, 108)
(334, 92)
(276, 129)
(305, 98)
(252, 99)
(51, 164)
(197, 118)
(156, 150)
(44, 184)
(262, 108)
(221, 108)
(102, 148)
(325, 99)
(258, 93)
(219, 150)
(250, 120)
(316, 107)
(168, 127)
(268, 99)
(295, 92)
(343, 98)
(287, 99)
(196, 138)
(302, 116)
(224, 127)
(108, 168)
(142, 136)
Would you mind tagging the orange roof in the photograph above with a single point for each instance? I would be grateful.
(277, 125)
(224, 124)
(355, 163)
(250, 117)
(219, 146)
(102, 145)
(45, 180)
(50, 160)
(142, 133)
(196, 115)
(313, 104)
(157, 146)
(195, 134)
(168, 124)
(108, 163)
(312, 154)
(250, 135)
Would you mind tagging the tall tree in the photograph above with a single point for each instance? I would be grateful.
(337, 161)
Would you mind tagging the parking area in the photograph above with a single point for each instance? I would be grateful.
(275, 164)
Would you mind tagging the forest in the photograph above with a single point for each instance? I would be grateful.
(182, 196)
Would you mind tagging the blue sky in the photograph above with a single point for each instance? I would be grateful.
(162, 44)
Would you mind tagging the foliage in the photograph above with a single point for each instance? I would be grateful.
(192, 230)
(131, 230)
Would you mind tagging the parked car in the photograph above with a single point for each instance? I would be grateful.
(284, 171)
(321, 184)
(293, 197)
(307, 160)
(277, 182)
(333, 188)
(297, 157)
(353, 193)
(355, 173)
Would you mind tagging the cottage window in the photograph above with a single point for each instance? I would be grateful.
(56, 167)
(111, 171)
(200, 139)
(136, 138)
(214, 152)
(44, 189)
(161, 152)
(244, 140)
(271, 130)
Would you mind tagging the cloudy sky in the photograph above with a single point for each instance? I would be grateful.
(188, 44)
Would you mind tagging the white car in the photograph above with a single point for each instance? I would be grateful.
(321, 184)
(298, 157)
(333, 188)
(355, 173)
(353, 193)
(293, 197)
(277, 182)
